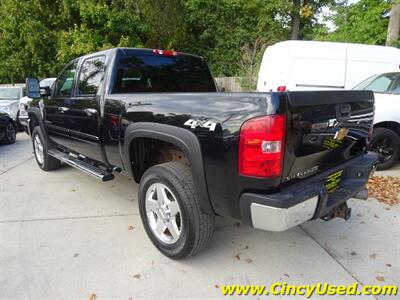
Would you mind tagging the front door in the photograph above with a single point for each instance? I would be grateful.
(84, 109)
(56, 106)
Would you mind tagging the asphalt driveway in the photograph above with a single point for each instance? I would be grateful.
(65, 235)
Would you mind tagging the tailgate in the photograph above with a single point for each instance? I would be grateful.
(325, 128)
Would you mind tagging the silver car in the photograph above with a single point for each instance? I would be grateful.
(9, 100)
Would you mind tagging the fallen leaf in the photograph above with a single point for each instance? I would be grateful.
(73, 190)
(92, 297)
(376, 216)
(380, 278)
(237, 256)
(249, 260)
(385, 189)
(389, 265)
(137, 276)
(353, 253)
(216, 286)
(373, 256)
(130, 227)
(286, 275)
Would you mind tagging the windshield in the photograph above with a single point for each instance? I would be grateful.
(10, 93)
(388, 83)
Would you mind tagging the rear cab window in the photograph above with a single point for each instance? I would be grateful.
(152, 73)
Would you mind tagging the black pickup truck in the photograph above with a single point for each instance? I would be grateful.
(272, 160)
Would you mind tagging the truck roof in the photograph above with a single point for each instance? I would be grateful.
(138, 51)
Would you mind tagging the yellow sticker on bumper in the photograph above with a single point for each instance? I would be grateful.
(333, 181)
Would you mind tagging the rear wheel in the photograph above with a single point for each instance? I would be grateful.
(40, 147)
(11, 133)
(170, 211)
(386, 143)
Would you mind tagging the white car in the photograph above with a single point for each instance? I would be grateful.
(9, 101)
(24, 103)
(386, 135)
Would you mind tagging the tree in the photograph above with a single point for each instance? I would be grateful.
(394, 24)
(303, 13)
(364, 22)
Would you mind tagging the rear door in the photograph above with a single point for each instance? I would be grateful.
(84, 110)
(325, 128)
(57, 106)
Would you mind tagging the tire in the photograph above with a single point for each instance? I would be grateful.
(386, 143)
(44, 160)
(11, 134)
(196, 228)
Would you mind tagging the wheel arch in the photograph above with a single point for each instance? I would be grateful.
(35, 119)
(392, 125)
(186, 141)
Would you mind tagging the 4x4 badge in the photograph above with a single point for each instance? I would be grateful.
(201, 123)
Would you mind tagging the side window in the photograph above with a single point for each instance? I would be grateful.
(381, 84)
(91, 75)
(64, 83)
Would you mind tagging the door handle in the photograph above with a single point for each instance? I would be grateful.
(63, 109)
(90, 111)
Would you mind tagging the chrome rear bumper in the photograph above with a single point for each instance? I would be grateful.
(280, 219)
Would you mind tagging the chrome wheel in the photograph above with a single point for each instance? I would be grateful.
(37, 145)
(163, 213)
(10, 132)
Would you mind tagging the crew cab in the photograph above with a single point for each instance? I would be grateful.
(273, 160)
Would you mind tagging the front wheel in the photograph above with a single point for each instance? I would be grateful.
(10, 134)
(40, 147)
(170, 211)
(386, 143)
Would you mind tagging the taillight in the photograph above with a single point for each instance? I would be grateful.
(281, 88)
(165, 52)
(262, 146)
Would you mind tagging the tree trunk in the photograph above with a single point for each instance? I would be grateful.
(394, 24)
(295, 20)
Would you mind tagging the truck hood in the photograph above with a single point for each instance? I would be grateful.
(387, 108)
(8, 103)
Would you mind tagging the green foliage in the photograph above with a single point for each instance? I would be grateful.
(37, 37)
(364, 22)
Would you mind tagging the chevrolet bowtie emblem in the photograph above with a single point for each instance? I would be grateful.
(341, 134)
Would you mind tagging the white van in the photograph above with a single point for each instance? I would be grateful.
(308, 65)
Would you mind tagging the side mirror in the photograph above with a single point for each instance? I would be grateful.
(32, 87)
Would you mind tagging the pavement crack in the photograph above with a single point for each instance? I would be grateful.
(16, 165)
(68, 218)
(335, 259)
